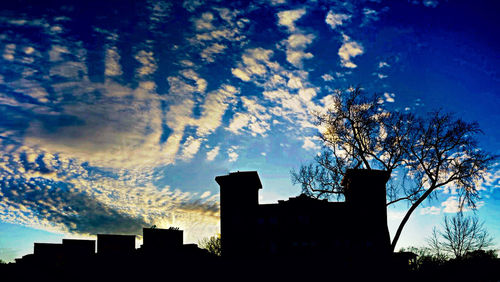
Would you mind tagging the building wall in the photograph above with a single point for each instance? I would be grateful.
(302, 225)
(239, 193)
(111, 244)
(162, 239)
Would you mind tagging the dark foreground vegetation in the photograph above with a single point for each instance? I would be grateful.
(475, 266)
(478, 265)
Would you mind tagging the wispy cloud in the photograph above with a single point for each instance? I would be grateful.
(452, 205)
(430, 210)
(383, 64)
(212, 154)
(192, 5)
(255, 62)
(430, 3)
(310, 144)
(216, 32)
(389, 97)
(190, 148)
(327, 77)
(232, 154)
(62, 195)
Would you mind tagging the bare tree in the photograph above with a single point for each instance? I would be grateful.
(459, 236)
(429, 152)
(212, 244)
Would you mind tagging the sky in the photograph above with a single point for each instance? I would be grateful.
(118, 115)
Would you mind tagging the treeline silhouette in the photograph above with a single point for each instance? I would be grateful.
(163, 257)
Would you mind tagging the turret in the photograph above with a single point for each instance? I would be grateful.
(239, 201)
(365, 195)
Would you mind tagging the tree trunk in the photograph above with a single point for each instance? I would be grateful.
(407, 216)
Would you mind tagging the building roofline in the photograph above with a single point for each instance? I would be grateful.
(252, 177)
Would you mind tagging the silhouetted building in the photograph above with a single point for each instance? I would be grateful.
(112, 244)
(404, 261)
(302, 225)
(164, 240)
(48, 251)
(78, 248)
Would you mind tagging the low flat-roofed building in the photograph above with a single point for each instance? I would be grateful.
(78, 247)
(156, 239)
(112, 244)
(47, 249)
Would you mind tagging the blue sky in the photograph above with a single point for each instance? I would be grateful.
(117, 115)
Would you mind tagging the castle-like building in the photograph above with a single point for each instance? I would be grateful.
(303, 226)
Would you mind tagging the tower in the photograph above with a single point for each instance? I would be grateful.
(239, 201)
(365, 195)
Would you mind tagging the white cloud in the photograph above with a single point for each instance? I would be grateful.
(451, 205)
(205, 22)
(238, 122)
(395, 215)
(255, 120)
(430, 210)
(295, 57)
(370, 15)
(241, 74)
(231, 153)
(295, 46)
(389, 97)
(126, 203)
(294, 82)
(106, 122)
(383, 64)
(28, 50)
(288, 18)
(216, 32)
(348, 50)
(430, 3)
(309, 144)
(334, 20)
(147, 61)
(327, 77)
(255, 62)
(112, 62)
(56, 52)
(277, 2)
(306, 94)
(201, 84)
(205, 194)
(299, 40)
(190, 148)
(209, 52)
(214, 107)
(213, 153)
(192, 5)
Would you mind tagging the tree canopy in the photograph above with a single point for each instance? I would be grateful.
(459, 236)
(211, 244)
(437, 150)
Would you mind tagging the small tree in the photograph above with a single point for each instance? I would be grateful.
(426, 257)
(212, 244)
(459, 236)
(429, 152)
